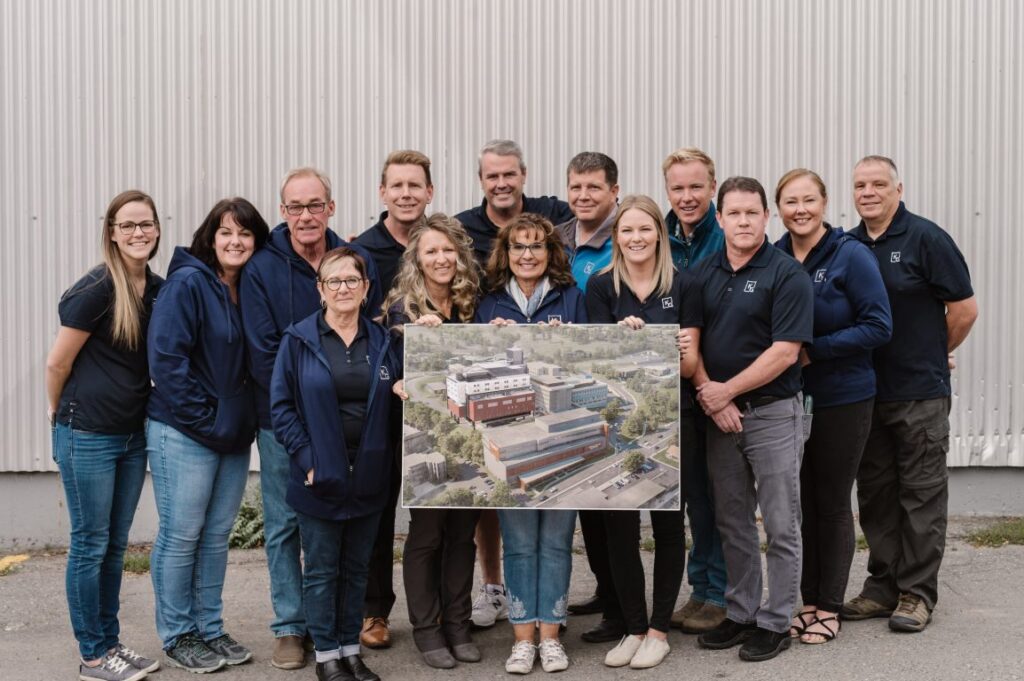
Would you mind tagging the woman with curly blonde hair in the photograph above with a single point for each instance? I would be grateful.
(437, 283)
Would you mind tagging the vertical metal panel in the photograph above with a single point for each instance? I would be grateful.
(195, 100)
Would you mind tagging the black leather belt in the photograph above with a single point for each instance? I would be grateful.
(762, 401)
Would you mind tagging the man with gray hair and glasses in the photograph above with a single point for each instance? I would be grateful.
(278, 288)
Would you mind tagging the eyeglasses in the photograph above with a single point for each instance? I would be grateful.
(128, 228)
(333, 284)
(314, 208)
(519, 249)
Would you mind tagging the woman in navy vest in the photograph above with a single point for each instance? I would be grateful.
(333, 401)
(201, 425)
(851, 317)
(530, 281)
(97, 384)
(641, 287)
(437, 283)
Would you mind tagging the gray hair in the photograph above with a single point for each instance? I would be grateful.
(306, 171)
(884, 160)
(500, 148)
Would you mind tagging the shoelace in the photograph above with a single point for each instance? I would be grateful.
(226, 640)
(550, 648)
(195, 645)
(522, 651)
(125, 652)
(115, 664)
(907, 605)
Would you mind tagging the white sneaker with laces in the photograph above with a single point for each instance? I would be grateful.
(521, 659)
(490, 606)
(552, 656)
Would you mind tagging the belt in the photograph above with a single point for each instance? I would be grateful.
(762, 401)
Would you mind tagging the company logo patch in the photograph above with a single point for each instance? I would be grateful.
(750, 286)
(667, 303)
(819, 276)
(385, 375)
(554, 318)
(894, 256)
(588, 268)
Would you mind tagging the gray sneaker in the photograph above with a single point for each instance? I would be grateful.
(190, 653)
(231, 650)
(113, 668)
(134, 659)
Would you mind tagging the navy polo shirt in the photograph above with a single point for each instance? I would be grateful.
(350, 371)
(767, 300)
(385, 251)
(483, 231)
(922, 269)
(680, 306)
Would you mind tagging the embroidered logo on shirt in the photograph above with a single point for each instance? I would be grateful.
(819, 276)
(894, 256)
(667, 303)
(384, 374)
(588, 268)
(749, 287)
(554, 318)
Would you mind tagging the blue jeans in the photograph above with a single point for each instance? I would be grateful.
(705, 571)
(198, 492)
(538, 563)
(102, 477)
(281, 535)
(334, 581)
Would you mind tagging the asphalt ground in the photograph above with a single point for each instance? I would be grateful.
(976, 632)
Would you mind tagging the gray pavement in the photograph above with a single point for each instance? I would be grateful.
(976, 632)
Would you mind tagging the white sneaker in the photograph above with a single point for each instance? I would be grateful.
(620, 655)
(521, 659)
(490, 606)
(552, 656)
(652, 651)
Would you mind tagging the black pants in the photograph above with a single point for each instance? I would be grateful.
(437, 567)
(595, 541)
(831, 457)
(903, 494)
(380, 590)
(623, 537)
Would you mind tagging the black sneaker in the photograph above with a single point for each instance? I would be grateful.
(112, 668)
(726, 635)
(764, 645)
(231, 650)
(190, 653)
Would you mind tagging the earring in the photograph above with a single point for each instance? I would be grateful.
(323, 303)
(362, 303)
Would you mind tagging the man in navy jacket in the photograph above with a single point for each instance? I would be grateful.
(278, 288)
(502, 173)
(902, 483)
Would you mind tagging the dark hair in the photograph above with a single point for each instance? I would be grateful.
(244, 213)
(557, 271)
(591, 161)
(741, 184)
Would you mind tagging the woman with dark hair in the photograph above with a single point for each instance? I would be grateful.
(201, 424)
(529, 276)
(97, 384)
(851, 318)
(641, 287)
(437, 283)
(333, 402)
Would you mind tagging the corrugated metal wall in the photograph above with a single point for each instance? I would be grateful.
(194, 100)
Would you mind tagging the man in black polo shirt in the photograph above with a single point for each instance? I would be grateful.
(758, 308)
(502, 173)
(902, 481)
(405, 190)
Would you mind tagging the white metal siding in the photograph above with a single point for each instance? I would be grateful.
(193, 100)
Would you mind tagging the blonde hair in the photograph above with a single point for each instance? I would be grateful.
(409, 288)
(686, 155)
(406, 157)
(663, 270)
(126, 329)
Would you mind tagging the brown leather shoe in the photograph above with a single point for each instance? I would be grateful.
(375, 633)
(707, 618)
(689, 608)
(289, 653)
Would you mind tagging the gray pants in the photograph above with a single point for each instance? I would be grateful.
(902, 492)
(760, 467)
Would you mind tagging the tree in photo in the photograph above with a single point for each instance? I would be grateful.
(633, 462)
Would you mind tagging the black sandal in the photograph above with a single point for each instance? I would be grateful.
(797, 631)
(829, 634)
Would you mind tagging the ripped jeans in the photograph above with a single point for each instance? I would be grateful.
(538, 563)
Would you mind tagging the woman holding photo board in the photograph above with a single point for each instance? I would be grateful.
(640, 287)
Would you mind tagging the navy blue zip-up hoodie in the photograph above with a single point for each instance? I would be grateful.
(483, 232)
(278, 288)
(851, 318)
(304, 408)
(565, 304)
(197, 361)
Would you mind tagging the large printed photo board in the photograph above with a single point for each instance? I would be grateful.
(582, 416)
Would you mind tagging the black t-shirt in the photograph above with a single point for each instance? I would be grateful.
(922, 269)
(350, 371)
(767, 300)
(682, 304)
(108, 387)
